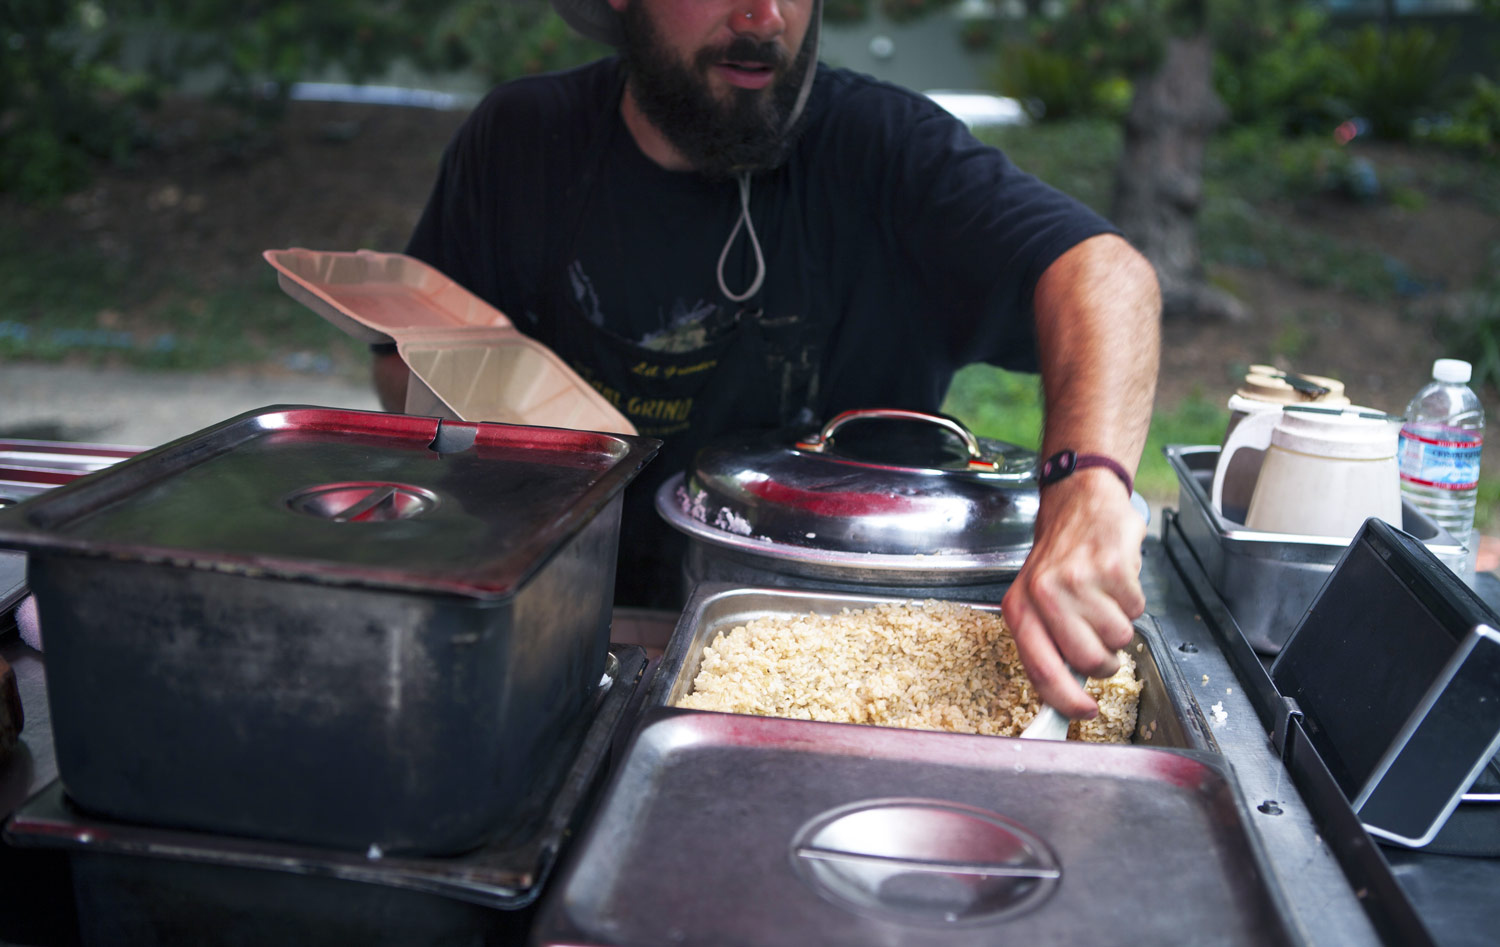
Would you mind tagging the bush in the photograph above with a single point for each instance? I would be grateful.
(1053, 87)
(1301, 80)
(76, 75)
(1395, 76)
(505, 40)
(1473, 327)
(62, 105)
(1288, 77)
(1475, 122)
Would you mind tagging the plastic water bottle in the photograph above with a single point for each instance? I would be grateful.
(1439, 455)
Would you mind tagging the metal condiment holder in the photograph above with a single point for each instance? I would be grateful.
(1394, 674)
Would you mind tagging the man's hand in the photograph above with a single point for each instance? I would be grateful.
(1098, 312)
(1073, 603)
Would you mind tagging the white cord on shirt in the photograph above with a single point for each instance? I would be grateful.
(744, 176)
(749, 225)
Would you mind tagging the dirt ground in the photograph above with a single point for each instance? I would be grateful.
(336, 176)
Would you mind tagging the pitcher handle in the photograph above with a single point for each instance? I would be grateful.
(1254, 431)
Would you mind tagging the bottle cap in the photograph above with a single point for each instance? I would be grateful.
(1452, 371)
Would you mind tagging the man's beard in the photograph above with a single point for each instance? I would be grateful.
(719, 139)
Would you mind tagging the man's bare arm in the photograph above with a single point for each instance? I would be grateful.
(1098, 315)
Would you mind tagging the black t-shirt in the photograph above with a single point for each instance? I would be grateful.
(897, 249)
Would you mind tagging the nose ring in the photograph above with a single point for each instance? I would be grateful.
(749, 15)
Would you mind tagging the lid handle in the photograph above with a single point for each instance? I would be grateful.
(818, 443)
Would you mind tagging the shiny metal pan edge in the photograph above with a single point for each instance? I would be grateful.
(1168, 711)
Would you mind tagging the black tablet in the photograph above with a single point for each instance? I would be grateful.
(1396, 668)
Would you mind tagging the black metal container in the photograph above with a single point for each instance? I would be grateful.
(338, 628)
(147, 885)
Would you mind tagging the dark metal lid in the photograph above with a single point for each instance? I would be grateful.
(870, 483)
(342, 497)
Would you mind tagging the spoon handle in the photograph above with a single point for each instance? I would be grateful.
(1049, 724)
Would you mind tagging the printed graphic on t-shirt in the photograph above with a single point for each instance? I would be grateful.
(680, 326)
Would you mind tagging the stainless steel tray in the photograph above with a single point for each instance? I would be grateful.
(404, 612)
(29, 467)
(1267, 580)
(1169, 715)
(728, 829)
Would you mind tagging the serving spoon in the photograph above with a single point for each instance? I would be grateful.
(1049, 724)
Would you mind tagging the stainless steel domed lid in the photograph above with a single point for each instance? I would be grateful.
(879, 483)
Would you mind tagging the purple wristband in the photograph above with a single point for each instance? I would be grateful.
(1064, 462)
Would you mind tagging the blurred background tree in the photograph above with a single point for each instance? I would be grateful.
(77, 75)
(1174, 71)
(1151, 64)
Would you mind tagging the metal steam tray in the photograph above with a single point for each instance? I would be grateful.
(29, 467)
(507, 872)
(1169, 715)
(730, 829)
(1267, 580)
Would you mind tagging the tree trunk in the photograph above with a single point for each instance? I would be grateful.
(1159, 180)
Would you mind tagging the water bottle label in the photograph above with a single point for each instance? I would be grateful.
(1446, 458)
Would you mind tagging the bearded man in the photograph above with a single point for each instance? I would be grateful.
(723, 235)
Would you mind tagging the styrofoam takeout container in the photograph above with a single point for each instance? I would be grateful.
(467, 360)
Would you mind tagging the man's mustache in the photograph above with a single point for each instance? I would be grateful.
(745, 49)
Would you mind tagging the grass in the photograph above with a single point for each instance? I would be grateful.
(1008, 406)
(79, 305)
(1243, 170)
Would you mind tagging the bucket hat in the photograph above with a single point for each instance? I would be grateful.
(595, 19)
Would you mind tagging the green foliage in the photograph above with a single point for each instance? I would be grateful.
(509, 39)
(1395, 76)
(1474, 124)
(994, 403)
(77, 74)
(62, 105)
(1285, 74)
(1008, 406)
(256, 51)
(904, 11)
(1082, 56)
(1474, 327)
(1252, 166)
(1078, 57)
(845, 12)
(1050, 84)
(1235, 232)
(1298, 77)
(69, 303)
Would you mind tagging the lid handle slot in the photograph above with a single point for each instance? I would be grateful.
(819, 442)
(929, 865)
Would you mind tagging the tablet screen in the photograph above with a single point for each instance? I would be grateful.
(1373, 641)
